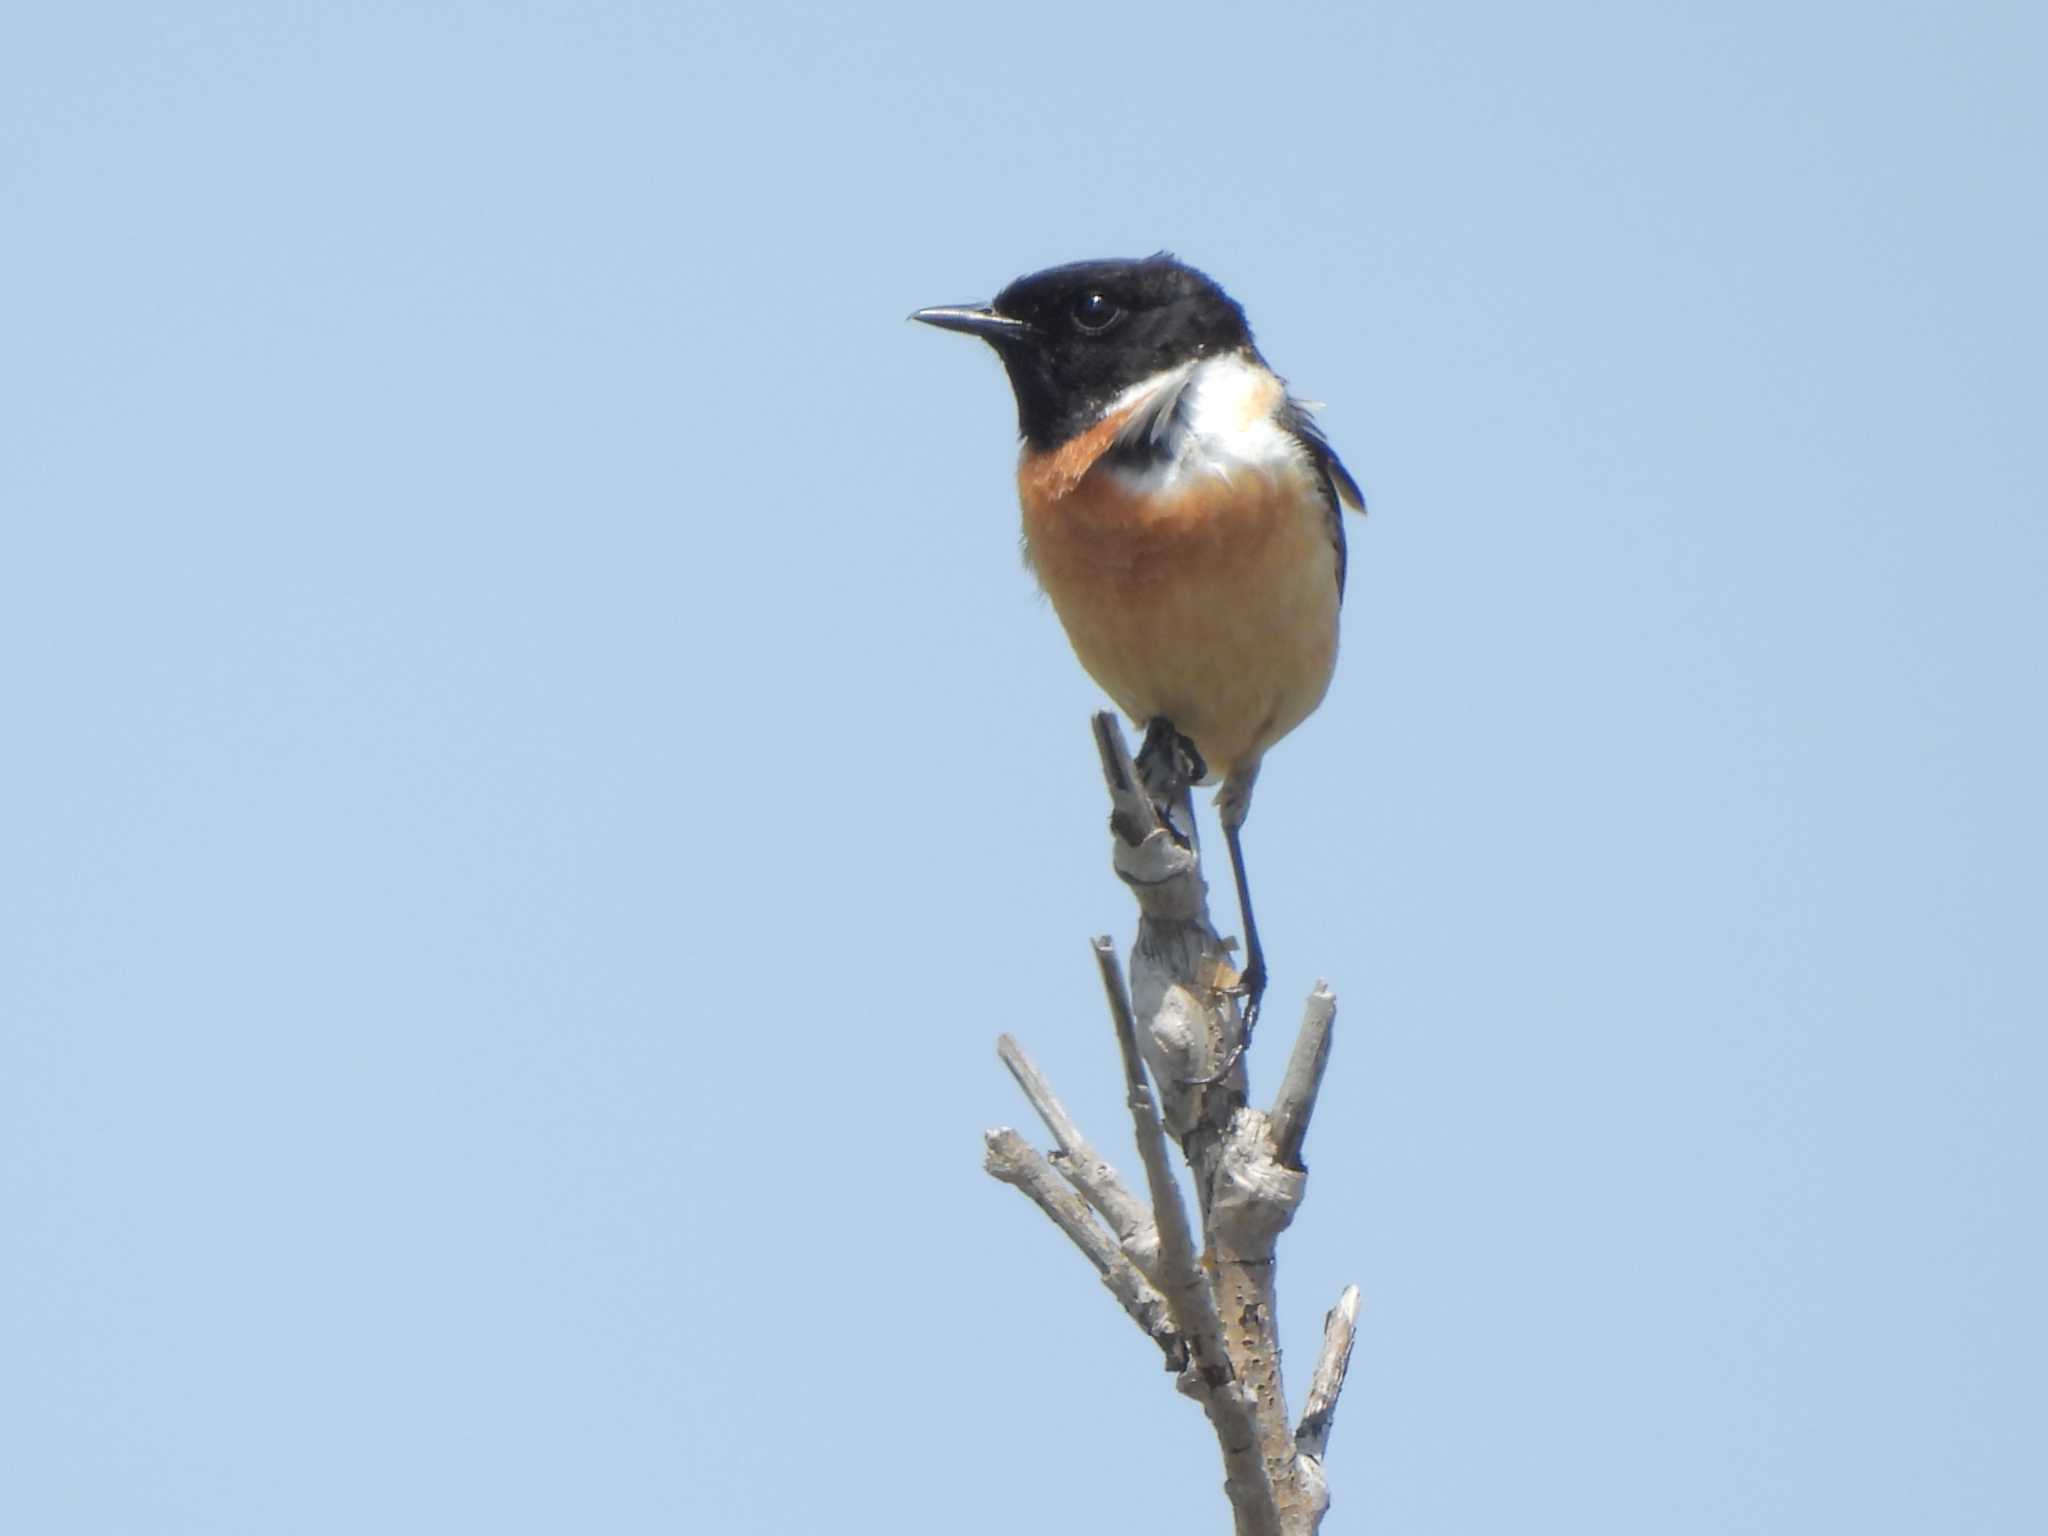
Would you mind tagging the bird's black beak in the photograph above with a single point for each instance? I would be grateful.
(976, 320)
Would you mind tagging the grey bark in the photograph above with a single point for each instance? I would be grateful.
(1201, 1286)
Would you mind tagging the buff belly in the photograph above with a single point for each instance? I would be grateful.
(1214, 606)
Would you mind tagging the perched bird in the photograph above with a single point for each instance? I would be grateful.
(1180, 511)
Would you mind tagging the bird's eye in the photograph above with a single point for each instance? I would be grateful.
(1095, 313)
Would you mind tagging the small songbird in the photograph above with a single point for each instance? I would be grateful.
(1180, 511)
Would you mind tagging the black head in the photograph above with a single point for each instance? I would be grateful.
(1075, 337)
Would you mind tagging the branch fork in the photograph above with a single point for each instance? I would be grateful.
(1203, 1289)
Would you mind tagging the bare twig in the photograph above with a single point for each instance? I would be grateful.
(1132, 815)
(1082, 1166)
(1296, 1100)
(1180, 1267)
(1340, 1327)
(1011, 1159)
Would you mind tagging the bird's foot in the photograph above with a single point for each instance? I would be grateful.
(1173, 828)
(1168, 764)
(1167, 761)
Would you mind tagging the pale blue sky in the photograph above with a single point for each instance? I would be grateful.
(481, 550)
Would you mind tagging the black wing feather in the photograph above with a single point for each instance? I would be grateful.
(1339, 489)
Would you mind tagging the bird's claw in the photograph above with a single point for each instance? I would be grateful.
(1165, 814)
(1167, 762)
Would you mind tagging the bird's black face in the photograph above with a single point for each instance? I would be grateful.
(1073, 338)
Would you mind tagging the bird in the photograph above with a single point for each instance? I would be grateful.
(1183, 513)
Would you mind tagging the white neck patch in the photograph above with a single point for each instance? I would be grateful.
(1214, 416)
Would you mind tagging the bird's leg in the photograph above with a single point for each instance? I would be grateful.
(1251, 981)
(1168, 765)
(1233, 805)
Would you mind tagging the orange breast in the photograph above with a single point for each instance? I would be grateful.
(1215, 607)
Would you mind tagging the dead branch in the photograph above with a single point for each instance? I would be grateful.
(1211, 1307)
